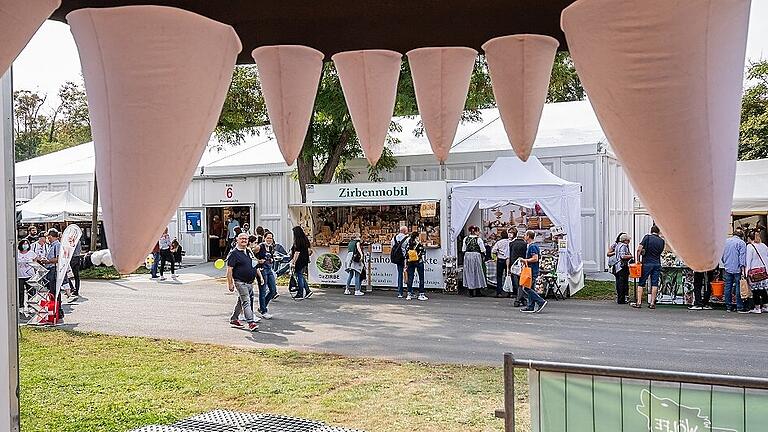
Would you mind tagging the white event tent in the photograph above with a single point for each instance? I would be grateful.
(61, 206)
(512, 181)
(750, 192)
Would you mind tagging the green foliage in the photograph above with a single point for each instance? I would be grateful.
(597, 290)
(39, 131)
(565, 85)
(753, 131)
(107, 273)
(244, 109)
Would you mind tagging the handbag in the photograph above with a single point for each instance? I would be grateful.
(744, 289)
(757, 274)
(507, 287)
(526, 276)
(517, 267)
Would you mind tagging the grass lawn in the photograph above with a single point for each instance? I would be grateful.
(596, 290)
(73, 382)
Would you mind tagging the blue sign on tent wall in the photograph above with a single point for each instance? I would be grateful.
(194, 223)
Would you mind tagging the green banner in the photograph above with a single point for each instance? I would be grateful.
(581, 403)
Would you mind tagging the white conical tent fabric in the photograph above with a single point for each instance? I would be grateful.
(441, 82)
(520, 67)
(369, 81)
(289, 76)
(19, 20)
(665, 80)
(156, 79)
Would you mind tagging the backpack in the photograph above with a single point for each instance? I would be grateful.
(396, 256)
(356, 258)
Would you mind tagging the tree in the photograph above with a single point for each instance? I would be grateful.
(244, 110)
(29, 124)
(564, 85)
(753, 131)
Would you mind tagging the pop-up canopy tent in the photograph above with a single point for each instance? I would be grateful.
(750, 192)
(60, 206)
(512, 181)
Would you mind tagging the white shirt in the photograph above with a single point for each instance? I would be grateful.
(40, 250)
(501, 249)
(399, 237)
(23, 264)
(756, 251)
(479, 243)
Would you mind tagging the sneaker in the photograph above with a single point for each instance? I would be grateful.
(422, 297)
(253, 327)
(297, 298)
(409, 297)
(236, 323)
(174, 277)
(309, 294)
(155, 277)
(527, 310)
(743, 311)
(399, 296)
(277, 294)
(347, 292)
(256, 319)
(541, 308)
(727, 309)
(694, 307)
(162, 278)
(756, 311)
(359, 293)
(267, 315)
(707, 307)
(765, 308)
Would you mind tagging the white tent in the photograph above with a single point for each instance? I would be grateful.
(59, 206)
(750, 193)
(512, 181)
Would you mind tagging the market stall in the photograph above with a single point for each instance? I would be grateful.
(376, 211)
(60, 206)
(534, 198)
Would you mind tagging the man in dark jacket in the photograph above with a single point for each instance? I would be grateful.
(517, 249)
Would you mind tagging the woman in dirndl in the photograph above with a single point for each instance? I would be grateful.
(473, 248)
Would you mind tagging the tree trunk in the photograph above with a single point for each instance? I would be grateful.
(329, 169)
(95, 215)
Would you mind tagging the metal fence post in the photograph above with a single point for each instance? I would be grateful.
(509, 393)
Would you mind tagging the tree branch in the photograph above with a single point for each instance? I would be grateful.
(329, 169)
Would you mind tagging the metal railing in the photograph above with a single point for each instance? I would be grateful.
(510, 364)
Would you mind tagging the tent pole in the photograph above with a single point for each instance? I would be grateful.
(95, 214)
(9, 339)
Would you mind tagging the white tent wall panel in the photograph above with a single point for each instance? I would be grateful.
(585, 170)
(193, 197)
(272, 205)
(618, 201)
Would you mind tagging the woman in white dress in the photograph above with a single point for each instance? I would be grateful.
(24, 269)
(474, 250)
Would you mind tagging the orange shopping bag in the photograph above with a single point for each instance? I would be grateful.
(526, 276)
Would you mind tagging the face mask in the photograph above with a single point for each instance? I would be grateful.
(25, 247)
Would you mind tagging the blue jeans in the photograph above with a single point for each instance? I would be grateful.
(533, 297)
(301, 281)
(353, 275)
(155, 261)
(412, 269)
(400, 270)
(267, 290)
(732, 281)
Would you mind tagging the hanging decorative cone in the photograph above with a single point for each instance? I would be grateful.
(665, 80)
(289, 76)
(19, 20)
(156, 79)
(369, 81)
(520, 67)
(441, 82)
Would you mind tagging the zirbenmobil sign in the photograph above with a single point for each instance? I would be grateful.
(376, 192)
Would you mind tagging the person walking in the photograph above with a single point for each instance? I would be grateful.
(517, 250)
(757, 271)
(397, 256)
(155, 260)
(218, 236)
(74, 264)
(501, 250)
(266, 260)
(354, 265)
(24, 269)
(734, 260)
(241, 273)
(50, 261)
(535, 303)
(649, 254)
(702, 290)
(474, 250)
(232, 223)
(166, 254)
(619, 263)
(415, 257)
(300, 253)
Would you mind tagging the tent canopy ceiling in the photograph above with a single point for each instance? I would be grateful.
(332, 26)
(55, 207)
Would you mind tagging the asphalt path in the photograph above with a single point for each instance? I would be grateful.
(445, 329)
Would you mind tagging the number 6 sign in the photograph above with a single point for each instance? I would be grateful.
(229, 192)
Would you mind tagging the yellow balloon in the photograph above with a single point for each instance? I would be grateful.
(219, 264)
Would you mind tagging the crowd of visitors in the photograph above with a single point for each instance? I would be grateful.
(742, 271)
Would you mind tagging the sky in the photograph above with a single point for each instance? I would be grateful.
(51, 57)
